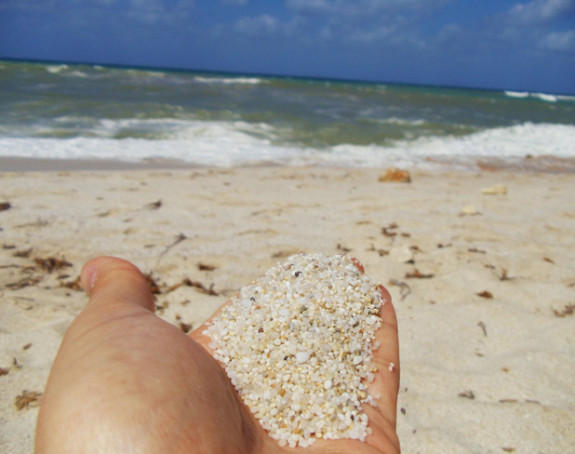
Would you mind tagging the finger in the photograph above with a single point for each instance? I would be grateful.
(386, 357)
(385, 386)
(358, 265)
(112, 282)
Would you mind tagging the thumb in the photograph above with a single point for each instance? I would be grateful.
(113, 282)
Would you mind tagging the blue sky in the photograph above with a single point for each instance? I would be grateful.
(516, 45)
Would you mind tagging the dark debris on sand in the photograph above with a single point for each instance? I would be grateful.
(416, 274)
(50, 264)
(158, 288)
(32, 274)
(568, 310)
(27, 399)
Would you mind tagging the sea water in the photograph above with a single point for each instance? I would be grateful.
(67, 111)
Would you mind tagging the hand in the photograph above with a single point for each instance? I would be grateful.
(124, 380)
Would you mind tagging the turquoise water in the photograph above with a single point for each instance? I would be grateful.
(65, 110)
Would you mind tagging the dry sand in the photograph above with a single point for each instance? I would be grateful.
(485, 301)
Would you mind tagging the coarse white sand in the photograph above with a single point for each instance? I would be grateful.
(485, 299)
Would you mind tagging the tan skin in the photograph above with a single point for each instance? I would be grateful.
(126, 381)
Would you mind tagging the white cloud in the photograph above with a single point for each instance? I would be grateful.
(363, 20)
(158, 11)
(538, 11)
(559, 42)
(252, 26)
(147, 11)
(28, 5)
(373, 34)
(450, 31)
(532, 25)
(362, 8)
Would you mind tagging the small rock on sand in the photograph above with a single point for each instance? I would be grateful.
(469, 210)
(395, 175)
(498, 189)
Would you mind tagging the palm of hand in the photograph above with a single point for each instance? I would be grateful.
(127, 381)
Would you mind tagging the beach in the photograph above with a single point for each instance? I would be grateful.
(479, 264)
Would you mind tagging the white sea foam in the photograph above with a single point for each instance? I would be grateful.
(502, 143)
(195, 131)
(229, 80)
(204, 143)
(238, 143)
(541, 96)
(63, 69)
(56, 69)
(545, 97)
(510, 142)
(401, 121)
(517, 94)
(77, 74)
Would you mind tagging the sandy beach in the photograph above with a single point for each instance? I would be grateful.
(479, 264)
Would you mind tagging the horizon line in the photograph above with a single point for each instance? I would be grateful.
(272, 75)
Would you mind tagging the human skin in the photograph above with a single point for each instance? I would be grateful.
(126, 381)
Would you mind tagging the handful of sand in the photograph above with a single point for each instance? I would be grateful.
(297, 344)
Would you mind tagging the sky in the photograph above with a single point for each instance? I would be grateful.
(495, 44)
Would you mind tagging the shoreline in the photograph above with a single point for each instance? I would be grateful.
(15, 164)
(542, 164)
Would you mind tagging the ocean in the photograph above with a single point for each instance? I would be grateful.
(69, 111)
